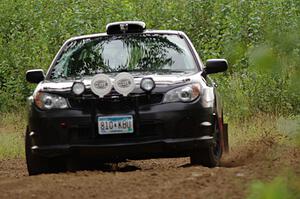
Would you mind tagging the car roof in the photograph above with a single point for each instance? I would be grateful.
(167, 32)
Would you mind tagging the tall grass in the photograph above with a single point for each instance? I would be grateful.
(11, 145)
(12, 128)
(13, 122)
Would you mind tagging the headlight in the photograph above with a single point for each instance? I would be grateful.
(186, 93)
(78, 88)
(147, 84)
(47, 101)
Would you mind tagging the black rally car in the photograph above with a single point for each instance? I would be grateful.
(129, 93)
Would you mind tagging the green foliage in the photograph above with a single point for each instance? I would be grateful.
(250, 93)
(279, 188)
(259, 38)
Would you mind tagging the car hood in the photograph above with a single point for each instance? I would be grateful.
(161, 80)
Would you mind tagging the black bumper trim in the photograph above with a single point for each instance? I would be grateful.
(131, 150)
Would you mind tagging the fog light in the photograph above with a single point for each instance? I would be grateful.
(205, 124)
(147, 84)
(78, 88)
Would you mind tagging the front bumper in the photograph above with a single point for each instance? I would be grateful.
(160, 130)
(131, 150)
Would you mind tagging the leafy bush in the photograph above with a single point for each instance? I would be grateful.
(31, 32)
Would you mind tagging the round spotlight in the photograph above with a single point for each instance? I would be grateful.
(78, 88)
(147, 84)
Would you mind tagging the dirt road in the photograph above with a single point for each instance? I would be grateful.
(163, 178)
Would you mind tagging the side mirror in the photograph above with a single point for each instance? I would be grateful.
(35, 76)
(216, 65)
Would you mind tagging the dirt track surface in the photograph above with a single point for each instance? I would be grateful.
(163, 178)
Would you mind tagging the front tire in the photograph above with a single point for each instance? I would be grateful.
(37, 164)
(209, 156)
(205, 157)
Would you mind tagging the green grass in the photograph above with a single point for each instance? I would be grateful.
(267, 128)
(13, 121)
(12, 128)
(262, 127)
(11, 145)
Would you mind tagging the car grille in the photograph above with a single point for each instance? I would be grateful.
(114, 102)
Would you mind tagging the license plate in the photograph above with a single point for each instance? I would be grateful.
(115, 124)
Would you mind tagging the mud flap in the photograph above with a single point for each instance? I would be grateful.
(225, 136)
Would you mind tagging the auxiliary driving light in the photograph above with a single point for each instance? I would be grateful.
(78, 88)
(147, 84)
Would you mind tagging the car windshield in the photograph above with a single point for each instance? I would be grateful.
(124, 53)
